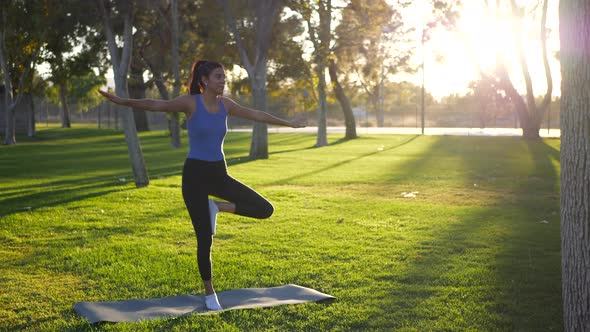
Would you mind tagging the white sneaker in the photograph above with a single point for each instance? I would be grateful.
(213, 211)
(212, 302)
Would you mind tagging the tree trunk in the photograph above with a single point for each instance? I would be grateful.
(174, 127)
(349, 120)
(120, 62)
(574, 26)
(162, 89)
(133, 145)
(99, 108)
(322, 139)
(140, 118)
(374, 98)
(381, 96)
(109, 110)
(31, 118)
(10, 101)
(9, 137)
(546, 103)
(137, 91)
(322, 49)
(65, 111)
(531, 127)
(9, 131)
(259, 143)
(266, 13)
(173, 118)
(116, 117)
(174, 123)
(529, 113)
(525, 112)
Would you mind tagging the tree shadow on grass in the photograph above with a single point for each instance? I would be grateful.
(513, 286)
(290, 139)
(515, 283)
(342, 162)
(31, 200)
(29, 197)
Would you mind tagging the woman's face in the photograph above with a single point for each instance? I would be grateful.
(216, 80)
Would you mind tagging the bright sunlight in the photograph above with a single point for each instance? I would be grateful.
(455, 57)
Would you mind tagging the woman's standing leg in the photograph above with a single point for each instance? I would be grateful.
(196, 185)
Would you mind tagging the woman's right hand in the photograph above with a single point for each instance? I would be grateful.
(111, 97)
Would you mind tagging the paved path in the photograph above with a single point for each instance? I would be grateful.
(415, 131)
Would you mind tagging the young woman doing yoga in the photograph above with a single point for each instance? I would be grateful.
(205, 171)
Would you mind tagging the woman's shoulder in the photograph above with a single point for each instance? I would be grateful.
(225, 99)
(190, 102)
(227, 102)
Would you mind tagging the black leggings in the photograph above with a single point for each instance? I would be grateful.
(203, 178)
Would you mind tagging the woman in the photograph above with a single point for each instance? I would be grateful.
(205, 171)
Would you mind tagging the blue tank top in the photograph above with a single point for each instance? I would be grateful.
(206, 132)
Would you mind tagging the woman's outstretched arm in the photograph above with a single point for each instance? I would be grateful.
(183, 103)
(238, 110)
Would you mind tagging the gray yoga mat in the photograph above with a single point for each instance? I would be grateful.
(176, 306)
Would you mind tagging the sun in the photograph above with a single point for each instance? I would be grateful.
(454, 57)
(486, 35)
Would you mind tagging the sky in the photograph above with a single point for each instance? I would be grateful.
(450, 65)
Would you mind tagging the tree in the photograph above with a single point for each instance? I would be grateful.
(349, 121)
(71, 27)
(288, 73)
(489, 96)
(175, 54)
(166, 44)
(157, 48)
(39, 87)
(264, 15)
(574, 26)
(320, 34)
(83, 89)
(174, 37)
(120, 60)
(362, 35)
(18, 59)
(529, 112)
(445, 15)
(137, 86)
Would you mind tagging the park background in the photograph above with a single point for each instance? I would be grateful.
(439, 232)
(418, 64)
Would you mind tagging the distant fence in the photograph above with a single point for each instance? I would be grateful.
(436, 116)
(104, 115)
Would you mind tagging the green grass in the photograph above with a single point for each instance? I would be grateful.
(469, 253)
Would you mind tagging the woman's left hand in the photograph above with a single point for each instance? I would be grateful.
(115, 99)
(299, 121)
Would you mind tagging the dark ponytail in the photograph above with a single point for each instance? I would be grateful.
(200, 69)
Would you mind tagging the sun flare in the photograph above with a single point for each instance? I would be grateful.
(457, 56)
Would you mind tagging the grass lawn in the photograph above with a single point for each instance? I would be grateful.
(477, 249)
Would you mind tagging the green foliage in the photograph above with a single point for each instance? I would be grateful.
(52, 94)
(446, 12)
(287, 64)
(83, 89)
(468, 253)
(364, 46)
(210, 33)
(23, 37)
(39, 85)
(285, 61)
(201, 36)
(73, 45)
